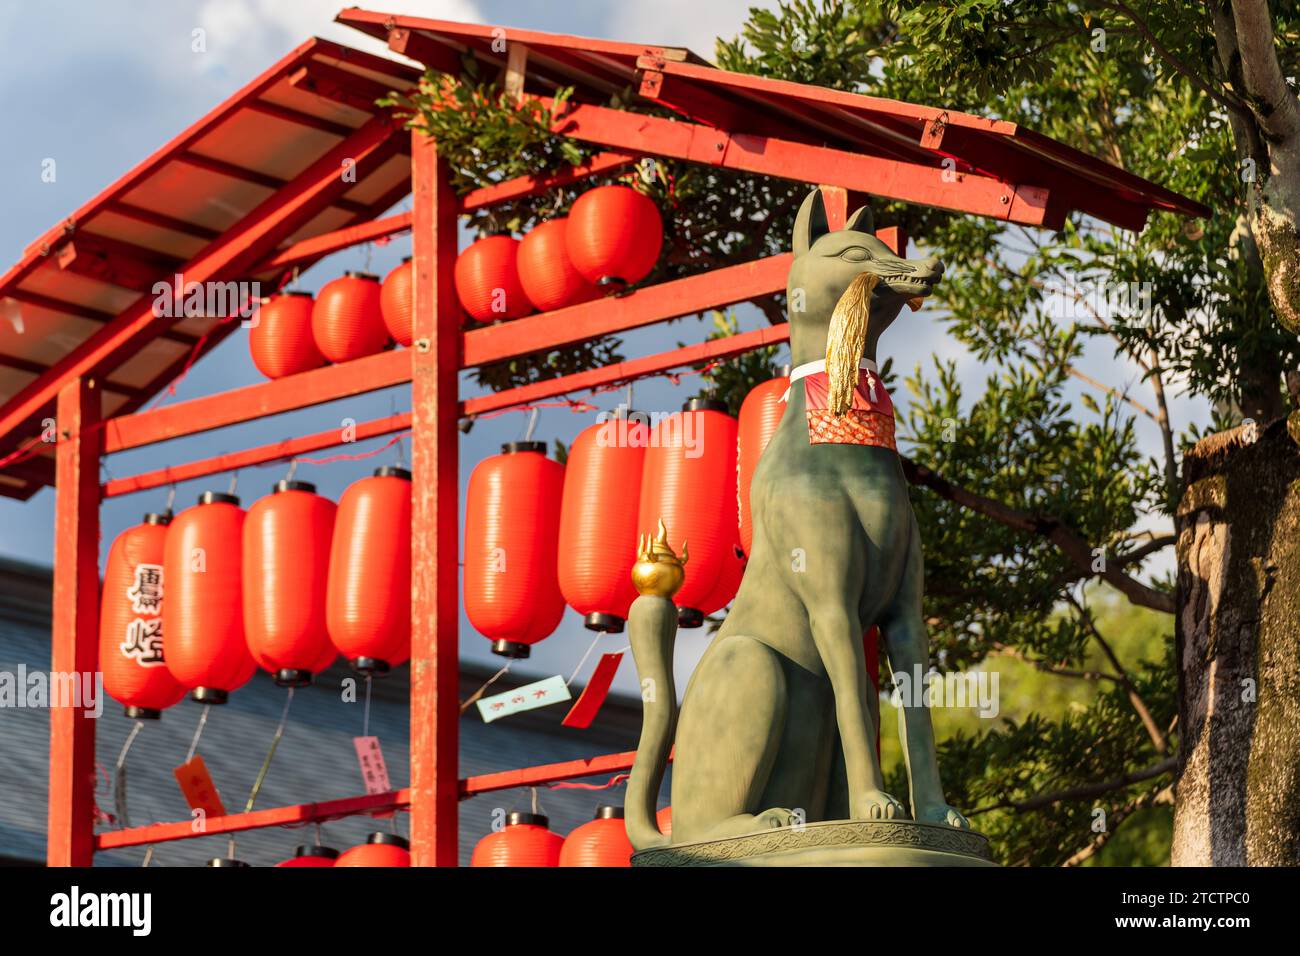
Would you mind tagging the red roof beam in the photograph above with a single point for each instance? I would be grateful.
(887, 178)
(51, 304)
(239, 249)
(118, 263)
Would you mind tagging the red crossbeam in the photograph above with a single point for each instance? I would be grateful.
(351, 806)
(237, 822)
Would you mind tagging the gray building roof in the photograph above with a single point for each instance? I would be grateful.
(315, 760)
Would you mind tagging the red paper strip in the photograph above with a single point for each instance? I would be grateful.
(197, 786)
(588, 704)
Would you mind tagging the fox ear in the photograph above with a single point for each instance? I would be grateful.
(862, 221)
(811, 223)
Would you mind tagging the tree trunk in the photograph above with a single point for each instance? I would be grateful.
(1238, 650)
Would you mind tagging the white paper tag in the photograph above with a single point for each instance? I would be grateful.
(373, 770)
(528, 697)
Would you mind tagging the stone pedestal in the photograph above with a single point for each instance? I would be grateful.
(833, 843)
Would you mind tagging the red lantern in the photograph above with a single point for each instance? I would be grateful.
(524, 841)
(614, 235)
(690, 482)
(380, 849)
(130, 622)
(512, 521)
(602, 842)
(281, 342)
(287, 537)
(760, 414)
(665, 820)
(311, 856)
(547, 274)
(347, 322)
(203, 616)
(397, 302)
(487, 280)
(368, 607)
(598, 520)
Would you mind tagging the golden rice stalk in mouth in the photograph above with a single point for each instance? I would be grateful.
(845, 341)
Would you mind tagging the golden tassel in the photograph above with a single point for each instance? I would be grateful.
(845, 340)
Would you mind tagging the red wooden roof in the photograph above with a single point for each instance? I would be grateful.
(258, 174)
(200, 188)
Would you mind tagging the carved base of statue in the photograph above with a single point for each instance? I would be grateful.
(833, 843)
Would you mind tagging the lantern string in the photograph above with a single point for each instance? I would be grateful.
(171, 497)
(365, 714)
(532, 424)
(469, 701)
(198, 732)
(534, 791)
(119, 777)
(266, 764)
(293, 467)
(613, 781)
(234, 481)
(353, 457)
(578, 669)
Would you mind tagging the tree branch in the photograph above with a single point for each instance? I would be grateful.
(1070, 543)
(1267, 92)
(1134, 698)
(1223, 98)
(1160, 795)
(1083, 791)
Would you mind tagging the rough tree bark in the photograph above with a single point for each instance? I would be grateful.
(1238, 643)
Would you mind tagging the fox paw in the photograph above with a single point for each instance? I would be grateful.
(942, 813)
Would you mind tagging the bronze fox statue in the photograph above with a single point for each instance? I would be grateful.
(777, 725)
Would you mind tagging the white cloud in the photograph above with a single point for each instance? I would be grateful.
(689, 23)
(244, 36)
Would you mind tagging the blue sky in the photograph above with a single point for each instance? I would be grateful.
(116, 79)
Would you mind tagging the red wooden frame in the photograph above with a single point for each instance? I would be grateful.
(432, 365)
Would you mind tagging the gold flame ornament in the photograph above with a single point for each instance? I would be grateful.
(658, 571)
(845, 340)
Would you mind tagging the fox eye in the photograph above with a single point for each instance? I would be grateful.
(855, 254)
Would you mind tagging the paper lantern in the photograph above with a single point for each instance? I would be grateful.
(380, 849)
(602, 842)
(347, 321)
(689, 481)
(598, 520)
(131, 625)
(287, 538)
(487, 280)
(281, 342)
(523, 841)
(614, 235)
(203, 616)
(760, 414)
(665, 820)
(397, 302)
(368, 606)
(546, 272)
(311, 856)
(512, 522)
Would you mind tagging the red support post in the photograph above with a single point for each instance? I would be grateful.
(74, 651)
(435, 612)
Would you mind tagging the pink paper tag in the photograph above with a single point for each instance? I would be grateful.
(373, 770)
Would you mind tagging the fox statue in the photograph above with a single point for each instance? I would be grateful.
(776, 726)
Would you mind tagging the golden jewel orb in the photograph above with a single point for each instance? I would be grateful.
(658, 571)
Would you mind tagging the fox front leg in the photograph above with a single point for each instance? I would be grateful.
(841, 651)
